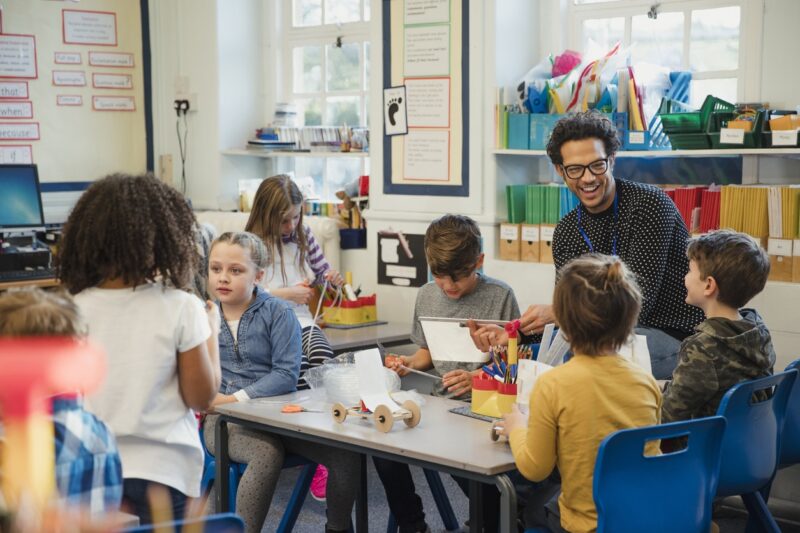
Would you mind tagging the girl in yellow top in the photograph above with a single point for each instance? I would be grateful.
(575, 406)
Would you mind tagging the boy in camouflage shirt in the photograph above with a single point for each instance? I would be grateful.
(726, 270)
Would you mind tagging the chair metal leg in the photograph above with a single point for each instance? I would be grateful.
(759, 512)
(297, 498)
(442, 501)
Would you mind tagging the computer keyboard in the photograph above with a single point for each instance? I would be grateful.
(27, 275)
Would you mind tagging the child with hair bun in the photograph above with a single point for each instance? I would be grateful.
(576, 405)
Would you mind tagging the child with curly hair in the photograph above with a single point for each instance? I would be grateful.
(127, 254)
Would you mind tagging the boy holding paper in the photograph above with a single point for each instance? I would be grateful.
(458, 290)
(726, 270)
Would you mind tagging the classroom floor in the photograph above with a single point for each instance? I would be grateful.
(312, 516)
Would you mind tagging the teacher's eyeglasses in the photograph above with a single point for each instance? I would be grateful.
(597, 168)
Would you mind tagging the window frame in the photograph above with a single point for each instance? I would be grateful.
(747, 73)
(324, 35)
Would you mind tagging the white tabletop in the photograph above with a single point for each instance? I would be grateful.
(441, 438)
(343, 340)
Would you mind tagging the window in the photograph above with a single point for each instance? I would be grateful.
(710, 38)
(328, 61)
(326, 66)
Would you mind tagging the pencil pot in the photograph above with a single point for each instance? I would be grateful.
(506, 397)
(484, 396)
(353, 238)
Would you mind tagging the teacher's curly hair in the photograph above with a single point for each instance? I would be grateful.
(580, 126)
(133, 228)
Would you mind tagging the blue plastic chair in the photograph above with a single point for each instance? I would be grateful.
(236, 471)
(790, 438)
(751, 446)
(627, 484)
(439, 497)
(216, 523)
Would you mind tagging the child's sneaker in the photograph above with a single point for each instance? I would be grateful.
(318, 483)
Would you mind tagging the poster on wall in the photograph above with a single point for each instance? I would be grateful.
(16, 110)
(428, 55)
(14, 89)
(401, 259)
(394, 111)
(113, 103)
(89, 27)
(112, 81)
(18, 56)
(69, 100)
(69, 78)
(19, 131)
(67, 58)
(111, 59)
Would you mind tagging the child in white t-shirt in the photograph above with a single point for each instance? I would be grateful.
(127, 252)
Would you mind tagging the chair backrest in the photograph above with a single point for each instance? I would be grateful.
(751, 447)
(216, 523)
(790, 439)
(669, 492)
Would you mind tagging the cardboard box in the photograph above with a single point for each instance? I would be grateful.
(529, 243)
(796, 261)
(509, 242)
(780, 259)
(546, 243)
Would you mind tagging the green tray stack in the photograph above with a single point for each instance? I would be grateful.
(688, 130)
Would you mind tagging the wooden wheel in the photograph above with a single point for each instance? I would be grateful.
(416, 414)
(383, 418)
(339, 412)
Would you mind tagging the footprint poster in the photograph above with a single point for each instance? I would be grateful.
(395, 117)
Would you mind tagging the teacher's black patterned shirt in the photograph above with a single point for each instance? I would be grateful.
(651, 241)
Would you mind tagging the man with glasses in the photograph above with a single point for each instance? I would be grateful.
(636, 222)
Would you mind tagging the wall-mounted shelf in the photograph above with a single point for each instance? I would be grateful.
(778, 152)
(241, 152)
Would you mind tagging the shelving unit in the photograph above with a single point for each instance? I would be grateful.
(242, 152)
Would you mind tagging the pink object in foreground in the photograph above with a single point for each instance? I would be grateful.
(565, 62)
(34, 369)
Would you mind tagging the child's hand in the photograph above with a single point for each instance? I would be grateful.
(221, 399)
(458, 382)
(213, 317)
(486, 336)
(513, 420)
(334, 278)
(397, 363)
(299, 294)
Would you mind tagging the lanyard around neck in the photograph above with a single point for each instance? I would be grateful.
(586, 238)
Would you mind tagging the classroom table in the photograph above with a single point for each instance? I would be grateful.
(350, 340)
(442, 441)
(43, 283)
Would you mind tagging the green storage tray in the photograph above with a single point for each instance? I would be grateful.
(752, 138)
(689, 141)
(690, 121)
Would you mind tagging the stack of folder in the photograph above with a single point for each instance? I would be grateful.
(784, 211)
(687, 199)
(568, 201)
(745, 209)
(515, 202)
(709, 209)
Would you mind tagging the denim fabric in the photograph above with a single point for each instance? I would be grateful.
(135, 500)
(663, 350)
(265, 358)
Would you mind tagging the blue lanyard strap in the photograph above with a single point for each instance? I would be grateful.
(586, 238)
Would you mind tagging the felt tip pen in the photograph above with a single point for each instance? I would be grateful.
(481, 322)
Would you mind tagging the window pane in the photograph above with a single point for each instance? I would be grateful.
(308, 172)
(367, 8)
(724, 88)
(307, 12)
(658, 41)
(339, 172)
(344, 73)
(341, 11)
(310, 111)
(341, 110)
(599, 35)
(579, 2)
(307, 69)
(715, 39)
(366, 65)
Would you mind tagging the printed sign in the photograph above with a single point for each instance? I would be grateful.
(113, 103)
(19, 131)
(67, 58)
(69, 99)
(16, 110)
(13, 89)
(18, 56)
(110, 59)
(112, 81)
(69, 78)
(89, 27)
(11, 154)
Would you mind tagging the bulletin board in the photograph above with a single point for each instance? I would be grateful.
(426, 58)
(72, 88)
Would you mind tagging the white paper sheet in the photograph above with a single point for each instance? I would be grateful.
(528, 372)
(448, 341)
(636, 351)
(371, 384)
